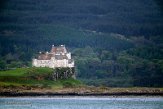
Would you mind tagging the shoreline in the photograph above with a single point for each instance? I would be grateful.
(33, 94)
(80, 91)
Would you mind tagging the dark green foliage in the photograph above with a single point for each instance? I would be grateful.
(86, 27)
(147, 52)
(2, 65)
(160, 4)
(116, 16)
(148, 74)
(123, 70)
(63, 73)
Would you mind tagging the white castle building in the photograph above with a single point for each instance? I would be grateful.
(57, 57)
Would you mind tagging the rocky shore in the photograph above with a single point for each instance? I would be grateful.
(82, 91)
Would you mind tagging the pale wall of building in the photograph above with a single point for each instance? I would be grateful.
(52, 63)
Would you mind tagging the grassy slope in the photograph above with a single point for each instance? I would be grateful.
(33, 77)
(29, 81)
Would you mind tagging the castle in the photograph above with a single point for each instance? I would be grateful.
(58, 57)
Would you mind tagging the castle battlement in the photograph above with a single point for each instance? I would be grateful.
(57, 57)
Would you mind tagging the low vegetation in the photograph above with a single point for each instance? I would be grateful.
(34, 78)
(38, 81)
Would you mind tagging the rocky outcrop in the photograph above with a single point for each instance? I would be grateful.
(81, 91)
(63, 73)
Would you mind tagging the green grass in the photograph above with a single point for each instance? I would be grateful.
(34, 77)
(15, 72)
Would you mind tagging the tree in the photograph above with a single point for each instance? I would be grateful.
(2, 65)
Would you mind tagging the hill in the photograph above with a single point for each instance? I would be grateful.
(28, 78)
(115, 43)
(136, 17)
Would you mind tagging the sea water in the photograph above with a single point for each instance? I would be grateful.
(81, 103)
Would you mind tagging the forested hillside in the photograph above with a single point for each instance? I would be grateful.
(114, 42)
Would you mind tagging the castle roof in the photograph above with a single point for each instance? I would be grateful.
(60, 57)
(46, 56)
(59, 49)
(59, 53)
(49, 56)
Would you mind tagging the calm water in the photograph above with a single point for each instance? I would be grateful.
(82, 103)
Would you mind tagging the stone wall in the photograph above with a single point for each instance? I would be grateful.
(52, 63)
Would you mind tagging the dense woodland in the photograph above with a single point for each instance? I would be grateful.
(115, 43)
